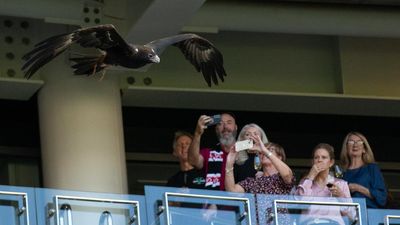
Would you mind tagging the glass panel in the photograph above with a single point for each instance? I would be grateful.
(57, 207)
(305, 210)
(202, 210)
(178, 206)
(93, 211)
(379, 216)
(392, 220)
(15, 206)
(8, 208)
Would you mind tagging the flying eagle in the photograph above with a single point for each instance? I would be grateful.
(115, 51)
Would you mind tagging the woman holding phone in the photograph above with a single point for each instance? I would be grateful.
(277, 177)
(245, 165)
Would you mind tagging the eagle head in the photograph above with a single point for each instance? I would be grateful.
(147, 55)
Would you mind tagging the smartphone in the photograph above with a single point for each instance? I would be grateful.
(215, 120)
(243, 145)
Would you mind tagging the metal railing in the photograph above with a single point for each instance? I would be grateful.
(245, 214)
(388, 217)
(301, 202)
(106, 218)
(132, 219)
(24, 209)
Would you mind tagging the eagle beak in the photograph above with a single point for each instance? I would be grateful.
(155, 59)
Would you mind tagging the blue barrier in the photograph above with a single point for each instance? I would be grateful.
(17, 205)
(166, 206)
(378, 216)
(181, 206)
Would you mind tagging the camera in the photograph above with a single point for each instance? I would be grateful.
(215, 119)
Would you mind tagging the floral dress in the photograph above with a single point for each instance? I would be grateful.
(272, 185)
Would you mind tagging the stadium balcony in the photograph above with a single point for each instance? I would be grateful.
(180, 206)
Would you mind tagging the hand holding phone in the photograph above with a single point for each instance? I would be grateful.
(215, 119)
(243, 145)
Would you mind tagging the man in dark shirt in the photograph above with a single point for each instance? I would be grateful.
(187, 176)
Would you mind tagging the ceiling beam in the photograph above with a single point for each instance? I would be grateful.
(271, 102)
(162, 18)
(321, 19)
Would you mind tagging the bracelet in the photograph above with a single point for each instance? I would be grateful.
(269, 153)
(228, 170)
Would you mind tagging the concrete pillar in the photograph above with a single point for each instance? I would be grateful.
(81, 131)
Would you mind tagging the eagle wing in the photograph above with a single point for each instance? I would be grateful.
(102, 37)
(204, 56)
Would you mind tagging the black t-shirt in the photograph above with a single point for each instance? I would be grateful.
(191, 179)
(241, 172)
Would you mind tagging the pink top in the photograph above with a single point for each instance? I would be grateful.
(308, 188)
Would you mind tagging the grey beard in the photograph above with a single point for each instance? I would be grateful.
(227, 141)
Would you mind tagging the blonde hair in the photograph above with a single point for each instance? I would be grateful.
(242, 155)
(367, 157)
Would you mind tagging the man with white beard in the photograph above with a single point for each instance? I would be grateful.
(212, 160)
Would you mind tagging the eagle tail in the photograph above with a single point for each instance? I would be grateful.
(88, 65)
(44, 52)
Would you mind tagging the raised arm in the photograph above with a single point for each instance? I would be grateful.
(305, 186)
(195, 158)
(284, 170)
(229, 177)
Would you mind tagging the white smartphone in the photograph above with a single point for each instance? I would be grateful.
(243, 145)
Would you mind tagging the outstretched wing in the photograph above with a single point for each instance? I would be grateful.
(102, 37)
(199, 51)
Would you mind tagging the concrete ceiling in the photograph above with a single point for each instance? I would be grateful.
(255, 17)
(171, 17)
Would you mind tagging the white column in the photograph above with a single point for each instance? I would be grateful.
(81, 131)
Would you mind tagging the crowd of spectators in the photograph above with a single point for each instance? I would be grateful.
(223, 167)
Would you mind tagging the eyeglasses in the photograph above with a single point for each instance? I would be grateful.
(355, 142)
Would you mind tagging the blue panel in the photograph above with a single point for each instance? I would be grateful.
(377, 216)
(293, 209)
(13, 208)
(87, 207)
(198, 206)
